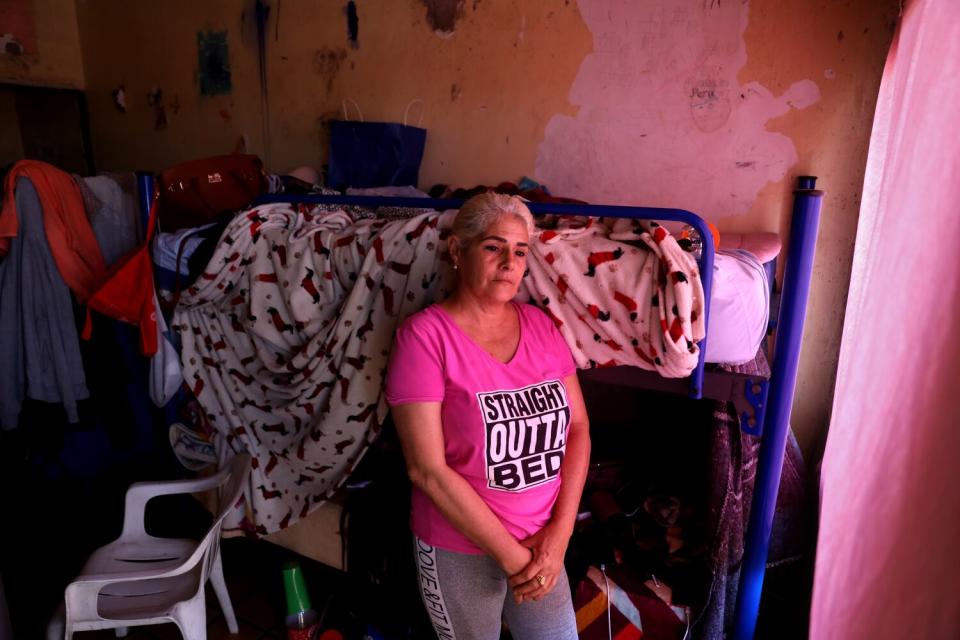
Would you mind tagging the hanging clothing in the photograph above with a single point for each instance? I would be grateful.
(111, 204)
(70, 238)
(39, 350)
(126, 293)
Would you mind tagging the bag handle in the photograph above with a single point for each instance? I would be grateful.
(354, 102)
(406, 112)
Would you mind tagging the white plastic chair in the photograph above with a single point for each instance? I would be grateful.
(140, 579)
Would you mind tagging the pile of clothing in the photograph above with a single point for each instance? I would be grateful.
(63, 239)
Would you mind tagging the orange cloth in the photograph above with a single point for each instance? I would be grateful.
(72, 243)
(125, 292)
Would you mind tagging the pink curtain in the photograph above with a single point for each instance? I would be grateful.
(888, 558)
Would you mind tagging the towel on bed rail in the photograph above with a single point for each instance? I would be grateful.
(286, 333)
(621, 294)
(285, 337)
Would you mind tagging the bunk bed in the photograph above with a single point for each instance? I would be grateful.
(762, 402)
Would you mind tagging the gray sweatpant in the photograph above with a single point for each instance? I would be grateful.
(467, 596)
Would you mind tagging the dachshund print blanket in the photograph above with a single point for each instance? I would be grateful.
(285, 336)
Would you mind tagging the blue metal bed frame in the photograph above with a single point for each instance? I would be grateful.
(770, 402)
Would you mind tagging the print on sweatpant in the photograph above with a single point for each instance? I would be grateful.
(430, 590)
(467, 597)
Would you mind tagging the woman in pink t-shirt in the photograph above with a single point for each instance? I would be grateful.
(487, 405)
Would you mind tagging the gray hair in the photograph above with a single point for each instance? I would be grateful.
(479, 212)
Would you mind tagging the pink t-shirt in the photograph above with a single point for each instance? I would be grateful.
(504, 424)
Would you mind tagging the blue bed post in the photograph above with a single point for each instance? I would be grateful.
(793, 305)
(144, 195)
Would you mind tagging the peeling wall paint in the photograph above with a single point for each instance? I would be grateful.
(326, 64)
(18, 28)
(40, 43)
(662, 118)
(442, 15)
(353, 24)
(640, 106)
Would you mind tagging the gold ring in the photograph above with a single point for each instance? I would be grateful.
(540, 579)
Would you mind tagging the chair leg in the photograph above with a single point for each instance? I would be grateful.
(56, 628)
(191, 617)
(223, 596)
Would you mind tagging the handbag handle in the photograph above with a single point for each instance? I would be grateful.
(406, 112)
(344, 105)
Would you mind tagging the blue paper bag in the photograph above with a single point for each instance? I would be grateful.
(374, 154)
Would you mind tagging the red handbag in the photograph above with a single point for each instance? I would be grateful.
(196, 192)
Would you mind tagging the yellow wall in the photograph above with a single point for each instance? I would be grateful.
(470, 84)
(496, 89)
(57, 62)
(832, 136)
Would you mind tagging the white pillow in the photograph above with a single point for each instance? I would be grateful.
(739, 307)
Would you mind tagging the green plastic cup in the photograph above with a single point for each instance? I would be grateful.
(298, 600)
